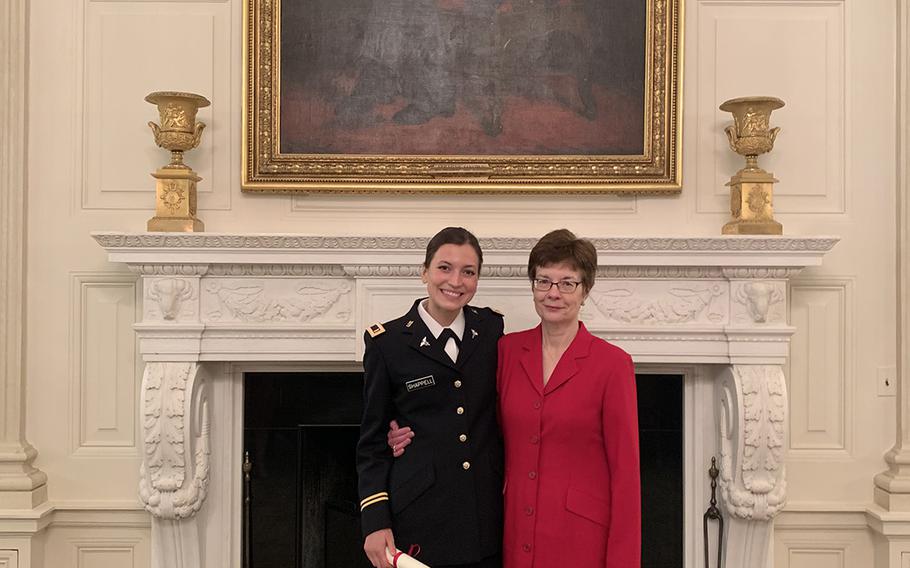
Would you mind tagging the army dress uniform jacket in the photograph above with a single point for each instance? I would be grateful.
(444, 493)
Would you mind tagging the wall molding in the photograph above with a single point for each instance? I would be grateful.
(892, 487)
(21, 485)
(96, 387)
(829, 377)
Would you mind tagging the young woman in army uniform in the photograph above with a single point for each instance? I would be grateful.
(434, 370)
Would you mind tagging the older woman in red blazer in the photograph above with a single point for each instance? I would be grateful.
(568, 412)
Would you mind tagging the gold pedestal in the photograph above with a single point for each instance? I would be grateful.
(751, 198)
(175, 188)
(752, 188)
(175, 201)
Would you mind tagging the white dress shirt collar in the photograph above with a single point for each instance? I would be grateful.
(435, 327)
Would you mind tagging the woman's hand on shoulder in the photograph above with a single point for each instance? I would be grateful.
(399, 438)
(375, 546)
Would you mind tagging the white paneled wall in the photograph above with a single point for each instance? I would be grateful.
(72, 547)
(91, 152)
(9, 559)
(823, 540)
(791, 50)
(103, 351)
(821, 364)
(183, 46)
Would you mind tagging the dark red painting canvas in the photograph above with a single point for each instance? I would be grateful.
(463, 77)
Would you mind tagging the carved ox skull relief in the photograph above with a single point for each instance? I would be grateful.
(758, 297)
(170, 293)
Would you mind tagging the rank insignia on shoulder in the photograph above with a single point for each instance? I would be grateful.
(375, 329)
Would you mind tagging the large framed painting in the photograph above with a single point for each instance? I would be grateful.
(488, 96)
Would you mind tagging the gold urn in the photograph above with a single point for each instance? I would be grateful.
(752, 188)
(175, 187)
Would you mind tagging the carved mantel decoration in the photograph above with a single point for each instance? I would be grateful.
(716, 302)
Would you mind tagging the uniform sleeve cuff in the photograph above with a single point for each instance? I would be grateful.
(375, 516)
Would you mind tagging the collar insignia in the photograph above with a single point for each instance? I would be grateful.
(473, 333)
(424, 342)
(409, 324)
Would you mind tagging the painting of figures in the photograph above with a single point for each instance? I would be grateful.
(464, 95)
(463, 76)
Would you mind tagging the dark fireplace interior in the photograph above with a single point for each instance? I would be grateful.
(301, 506)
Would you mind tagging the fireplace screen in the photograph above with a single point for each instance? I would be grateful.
(301, 507)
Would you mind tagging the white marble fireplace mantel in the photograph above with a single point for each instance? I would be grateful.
(717, 302)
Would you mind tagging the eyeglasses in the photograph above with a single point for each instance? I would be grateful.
(545, 285)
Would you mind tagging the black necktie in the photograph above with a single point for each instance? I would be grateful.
(447, 334)
(443, 340)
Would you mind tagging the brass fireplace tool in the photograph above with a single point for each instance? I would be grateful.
(175, 188)
(714, 514)
(751, 188)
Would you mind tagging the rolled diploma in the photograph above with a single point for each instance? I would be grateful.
(404, 561)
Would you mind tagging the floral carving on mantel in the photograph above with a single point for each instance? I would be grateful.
(675, 306)
(251, 301)
(175, 423)
(753, 417)
(759, 302)
(165, 269)
(170, 295)
(302, 270)
(290, 241)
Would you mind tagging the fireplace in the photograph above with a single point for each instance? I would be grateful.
(301, 504)
(217, 306)
(299, 437)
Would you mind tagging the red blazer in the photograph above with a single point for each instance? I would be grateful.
(572, 489)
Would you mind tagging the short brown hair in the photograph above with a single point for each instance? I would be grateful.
(453, 236)
(561, 246)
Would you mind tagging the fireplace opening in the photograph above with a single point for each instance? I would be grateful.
(301, 508)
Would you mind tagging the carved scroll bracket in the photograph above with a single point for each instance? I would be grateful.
(753, 428)
(175, 427)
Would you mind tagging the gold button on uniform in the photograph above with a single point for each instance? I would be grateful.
(460, 410)
(457, 383)
(466, 465)
(463, 437)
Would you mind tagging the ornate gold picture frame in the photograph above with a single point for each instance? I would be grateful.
(464, 96)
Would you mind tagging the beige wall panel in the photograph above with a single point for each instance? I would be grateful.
(106, 365)
(9, 559)
(803, 64)
(96, 547)
(829, 540)
(506, 211)
(821, 363)
(132, 49)
(816, 559)
(104, 557)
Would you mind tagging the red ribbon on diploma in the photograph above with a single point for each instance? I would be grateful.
(402, 560)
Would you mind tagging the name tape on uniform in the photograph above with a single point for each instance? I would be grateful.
(421, 383)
